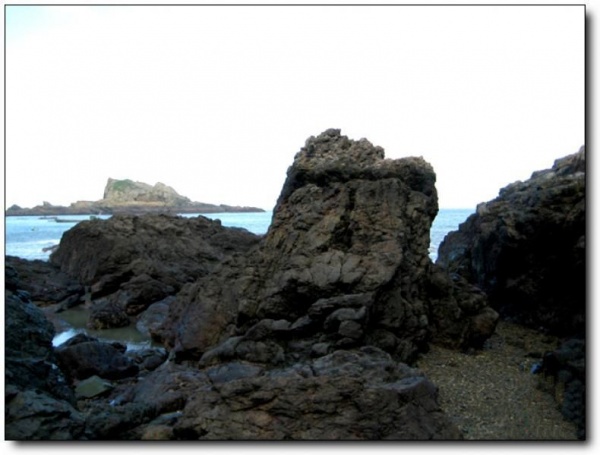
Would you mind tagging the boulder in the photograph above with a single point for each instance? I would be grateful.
(344, 263)
(131, 262)
(81, 358)
(45, 283)
(563, 374)
(38, 401)
(359, 394)
(151, 319)
(526, 249)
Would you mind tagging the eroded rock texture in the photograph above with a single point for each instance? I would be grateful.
(38, 401)
(131, 262)
(526, 249)
(360, 394)
(345, 263)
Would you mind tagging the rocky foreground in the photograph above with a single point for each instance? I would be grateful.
(133, 198)
(306, 333)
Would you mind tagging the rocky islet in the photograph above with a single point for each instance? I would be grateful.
(124, 196)
(300, 334)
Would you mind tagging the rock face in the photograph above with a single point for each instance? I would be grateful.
(131, 262)
(345, 264)
(297, 335)
(44, 283)
(563, 371)
(345, 395)
(129, 197)
(82, 357)
(38, 402)
(526, 249)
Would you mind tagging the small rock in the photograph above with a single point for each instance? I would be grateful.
(92, 387)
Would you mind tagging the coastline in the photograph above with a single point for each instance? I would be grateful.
(127, 210)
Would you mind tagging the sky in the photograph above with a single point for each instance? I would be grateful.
(215, 101)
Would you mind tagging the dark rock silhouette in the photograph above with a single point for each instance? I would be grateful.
(563, 372)
(39, 404)
(526, 249)
(44, 283)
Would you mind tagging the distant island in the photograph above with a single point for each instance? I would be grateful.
(127, 196)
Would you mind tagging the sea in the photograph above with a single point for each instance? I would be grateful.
(32, 237)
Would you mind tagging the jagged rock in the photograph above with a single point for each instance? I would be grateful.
(44, 282)
(345, 395)
(34, 415)
(345, 262)
(148, 359)
(563, 372)
(134, 261)
(151, 319)
(82, 358)
(526, 249)
(38, 401)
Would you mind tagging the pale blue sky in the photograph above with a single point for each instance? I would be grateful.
(216, 101)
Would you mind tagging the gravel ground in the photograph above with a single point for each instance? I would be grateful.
(492, 394)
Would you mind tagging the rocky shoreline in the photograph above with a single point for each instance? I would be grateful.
(310, 332)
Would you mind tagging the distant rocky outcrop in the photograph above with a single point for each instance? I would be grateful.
(526, 249)
(128, 192)
(129, 197)
(345, 264)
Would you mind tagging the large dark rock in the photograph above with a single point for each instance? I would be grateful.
(44, 283)
(82, 357)
(345, 263)
(130, 262)
(358, 394)
(563, 372)
(38, 401)
(526, 249)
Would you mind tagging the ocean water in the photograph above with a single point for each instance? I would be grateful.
(27, 236)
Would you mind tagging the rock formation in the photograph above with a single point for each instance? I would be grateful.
(129, 197)
(345, 395)
(526, 249)
(44, 283)
(128, 192)
(131, 262)
(345, 263)
(39, 404)
(297, 335)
